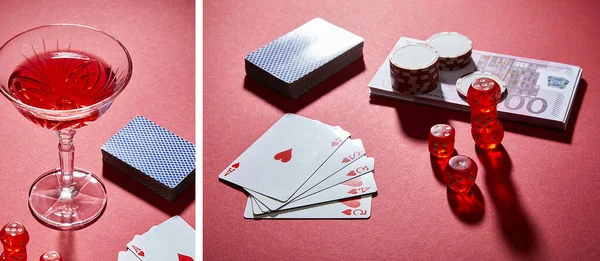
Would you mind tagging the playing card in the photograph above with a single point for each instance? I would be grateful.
(340, 177)
(171, 240)
(351, 208)
(127, 256)
(347, 153)
(358, 186)
(285, 156)
(359, 167)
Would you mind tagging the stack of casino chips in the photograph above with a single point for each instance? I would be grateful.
(414, 69)
(454, 50)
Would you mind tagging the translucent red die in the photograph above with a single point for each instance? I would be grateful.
(460, 174)
(14, 239)
(484, 93)
(441, 140)
(490, 139)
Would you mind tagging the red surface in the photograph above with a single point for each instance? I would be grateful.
(535, 199)
(161, 89)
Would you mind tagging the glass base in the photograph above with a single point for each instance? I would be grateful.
(67, 208)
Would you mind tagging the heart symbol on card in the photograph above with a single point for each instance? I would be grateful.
(351, 173)
(335, 142)
(183, 257)
(353, 191)
(347, 212)
(346, 160)
(355, 182)
(232, 169)
(350, 202)
(138, 250)
(284, 156)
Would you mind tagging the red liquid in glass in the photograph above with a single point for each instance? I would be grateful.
(62, 80)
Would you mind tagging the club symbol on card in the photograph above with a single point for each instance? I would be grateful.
(183, 257)
(232, 168)
(284, 156)
(138, 251)
(336, 142)
(355, 182)
(353, 202)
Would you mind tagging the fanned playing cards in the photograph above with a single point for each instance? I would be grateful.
(173, 239)
(304, 169)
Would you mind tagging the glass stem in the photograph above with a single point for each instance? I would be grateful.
(66, 153)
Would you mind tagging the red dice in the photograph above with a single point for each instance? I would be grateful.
(484, 92)
(460, 174)
(51, 256)
(483, 97)
(441, 140)
(14, 239)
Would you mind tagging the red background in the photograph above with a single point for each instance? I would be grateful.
(160, 38)
(538, 196)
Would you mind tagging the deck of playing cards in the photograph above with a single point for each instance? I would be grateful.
(152, 155)
(303, 168)
(304, 57)
(173, 239)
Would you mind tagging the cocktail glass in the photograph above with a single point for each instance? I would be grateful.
(62, 77)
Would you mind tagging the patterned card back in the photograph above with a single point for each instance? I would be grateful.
(154, 151)
(307, 49)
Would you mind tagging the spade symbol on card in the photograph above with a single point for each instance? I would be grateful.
(183, 257)
(138, 251)
(284, 156)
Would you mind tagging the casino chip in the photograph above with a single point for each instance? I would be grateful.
(464, 83)
(414, 69)
(454, 50)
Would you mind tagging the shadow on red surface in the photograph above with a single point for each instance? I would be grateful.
(172, 208)
(66, 245)
(470, 207)
(514, 224)
(416, 119)
(291, 106)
